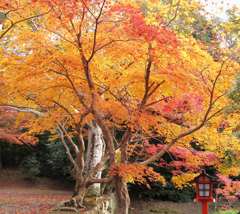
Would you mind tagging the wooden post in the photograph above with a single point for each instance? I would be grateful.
(204, 207)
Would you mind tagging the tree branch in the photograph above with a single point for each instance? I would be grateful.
(206, 118)
(67, 149)
(175, 14)
(64, 131)
(95, 32)
(99, 180)
(20, 21)
(23, 109)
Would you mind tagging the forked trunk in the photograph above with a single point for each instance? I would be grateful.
(122, 196)
(83, 170)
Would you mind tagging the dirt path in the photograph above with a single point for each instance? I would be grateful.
(18, 196)
(32, 201)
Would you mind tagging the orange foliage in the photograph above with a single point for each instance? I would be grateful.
(10, 131)
(136, 173)
(108, 62)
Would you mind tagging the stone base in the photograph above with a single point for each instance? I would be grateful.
(100, 205)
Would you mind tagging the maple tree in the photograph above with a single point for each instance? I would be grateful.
(9, 131)
(112, 65)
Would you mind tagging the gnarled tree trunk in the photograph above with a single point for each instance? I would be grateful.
(79, 193)
(95, 152)
(122, 196)
(86, 166)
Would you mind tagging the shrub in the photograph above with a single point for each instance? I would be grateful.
(163, 211)
(12, 155)
(165, 193)
(31, 167)
(56, 164)
(227, 212)
(48, 159)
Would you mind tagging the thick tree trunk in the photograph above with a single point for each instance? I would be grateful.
(79, 194)
(95, 152)
(122, 196)
(84, 168)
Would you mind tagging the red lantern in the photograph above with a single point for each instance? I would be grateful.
(204, 190)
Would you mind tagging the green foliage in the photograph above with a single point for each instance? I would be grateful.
(234, 94)
(163, 211)
(31, 167)
(164, 193)
(56, 162)
(12, 154)
(234, 107)
(2, 16)
(50, 158)
(47, 159)
(203, 31)
(227, 212)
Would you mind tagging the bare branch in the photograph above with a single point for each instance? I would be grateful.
(67, 149)
(74, 88)
(88, 9)
(150, 93)
(219, 97)
(23, 109)
(155, 102)
(95, 32)
(64, 131)
(147, 77)
(215, 114)
(175, 14)
(64, 108)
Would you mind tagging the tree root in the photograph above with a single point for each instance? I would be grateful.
(71, 205)
(67, 209)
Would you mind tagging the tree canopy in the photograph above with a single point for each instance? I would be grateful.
(144, 69)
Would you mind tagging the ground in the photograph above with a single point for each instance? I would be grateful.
(20, 196)
(162, 207)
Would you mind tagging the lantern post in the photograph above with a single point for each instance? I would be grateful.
(204, 190)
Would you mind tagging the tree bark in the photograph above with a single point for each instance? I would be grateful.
(1, 165)
(95, 152)
(122, 196)
(79, 193)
